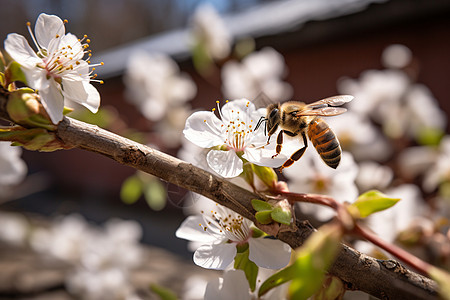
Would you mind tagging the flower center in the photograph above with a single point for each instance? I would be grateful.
(320, 184)
(238, 130)
(233, 226)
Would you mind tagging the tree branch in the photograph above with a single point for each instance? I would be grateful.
(383, 279)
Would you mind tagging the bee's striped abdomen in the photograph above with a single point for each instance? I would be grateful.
(325, 142)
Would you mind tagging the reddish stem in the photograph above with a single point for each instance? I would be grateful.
(403, 255)
(342, 213)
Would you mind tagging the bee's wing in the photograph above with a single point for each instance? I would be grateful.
(326, 107)
(324, 111)
(331, 101)
(262, 100)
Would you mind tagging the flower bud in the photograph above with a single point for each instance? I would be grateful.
(24, 108)
(266, 175)
(247, 174)
(32, 139)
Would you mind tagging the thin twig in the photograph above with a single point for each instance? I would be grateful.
(398, 252)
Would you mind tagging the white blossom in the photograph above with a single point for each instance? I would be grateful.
(220, 233)
(439, 172)
(102, 257)
(311, 175)
(359, 136)
(389, 96)
(57, 70)
(232, 135)
(259, 72)
(373, 89)
(155, 85)
(234, 285)
(12, 168)
(14, 228)
(372, 175)
(194, 287)
(396, 56)
(209, 31)
(415, 111)
(64, 240)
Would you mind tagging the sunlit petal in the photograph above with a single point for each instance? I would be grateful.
(225, 163)
(269, 253)
(203, 128)
(215, 256)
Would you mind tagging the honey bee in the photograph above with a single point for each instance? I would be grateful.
(297, 118)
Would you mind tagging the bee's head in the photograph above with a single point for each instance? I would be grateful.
(273, 118)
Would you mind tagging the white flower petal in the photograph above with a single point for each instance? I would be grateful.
(215, 256)
(74, 90)
(18, 48)
(47, 28)
(36, 78)
(53, 101)
(93, 100)
(191, 230)
(233, 286)
(203, 128)
(225, 163)
(243, 106)
(263, 157)
(269, 253)
(82, 92)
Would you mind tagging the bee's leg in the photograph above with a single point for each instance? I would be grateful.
(297, 154)
(279, 143)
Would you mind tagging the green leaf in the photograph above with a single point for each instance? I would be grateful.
(14, 73)
(442, 278)
(163, 293)
(242, 262)
(281, 215)
(373, 201)
(131, 190)
(155, 194)
(260, 205)
(264, 217)
(312, 261)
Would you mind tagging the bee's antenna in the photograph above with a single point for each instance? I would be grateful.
(261, 120)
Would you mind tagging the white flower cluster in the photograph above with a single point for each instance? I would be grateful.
(258, 73)
(209, 31)
(102, 258)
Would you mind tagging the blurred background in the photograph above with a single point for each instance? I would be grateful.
(166, 59)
